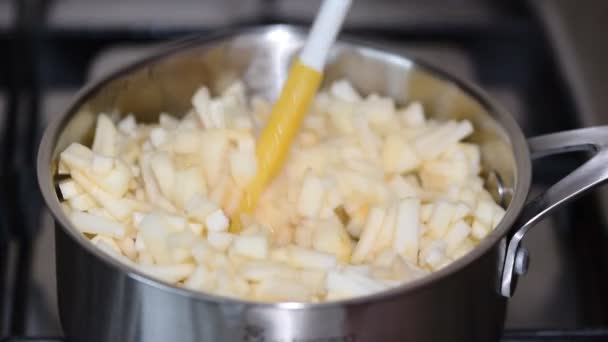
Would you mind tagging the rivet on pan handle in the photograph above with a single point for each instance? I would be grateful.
(591, 174)
(495, 186)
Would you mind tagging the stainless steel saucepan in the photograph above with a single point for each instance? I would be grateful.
(102, 300)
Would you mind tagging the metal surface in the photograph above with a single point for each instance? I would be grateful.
(494, 185)
(122, 304)
(522, 261)
(591, 174)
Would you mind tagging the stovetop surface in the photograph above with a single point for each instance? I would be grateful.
(502, 47)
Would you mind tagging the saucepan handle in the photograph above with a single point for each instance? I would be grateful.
(591, 174)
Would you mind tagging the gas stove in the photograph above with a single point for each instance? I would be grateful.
(526, 54)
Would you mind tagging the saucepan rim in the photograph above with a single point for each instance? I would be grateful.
(515, 135)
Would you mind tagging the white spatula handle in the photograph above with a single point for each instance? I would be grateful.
(323, 33)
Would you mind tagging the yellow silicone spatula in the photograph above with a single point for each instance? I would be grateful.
(298, 92)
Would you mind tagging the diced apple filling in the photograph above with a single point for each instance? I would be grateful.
(372, 195)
